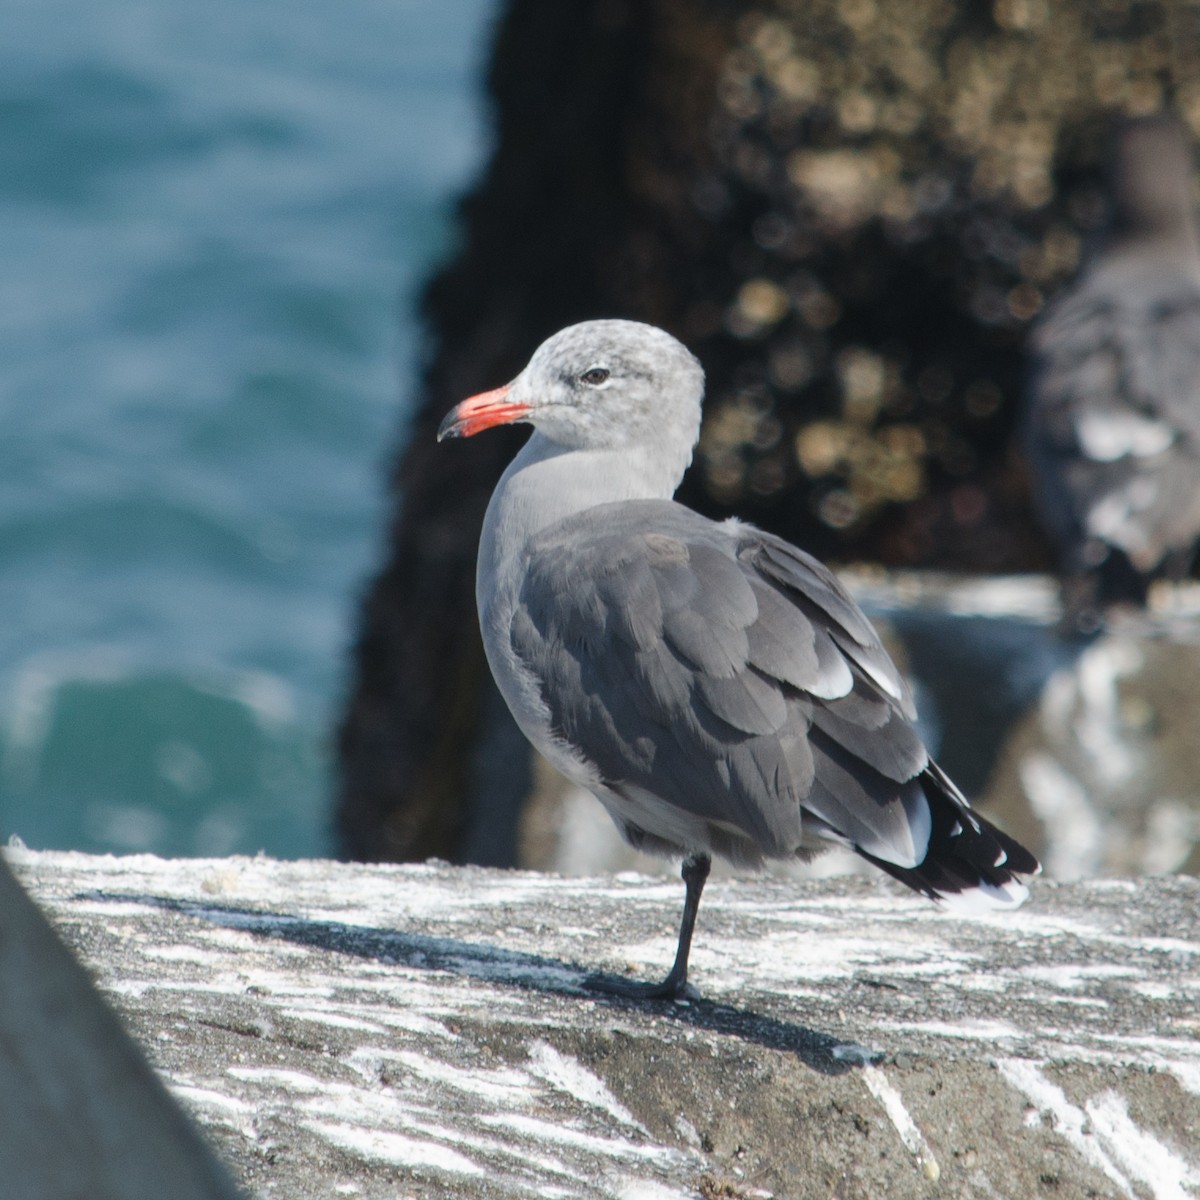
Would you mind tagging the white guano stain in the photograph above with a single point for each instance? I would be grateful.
(1146, 1159)
(1188, 1074)
(571, 1076)
(1074, 830)
(968, 1028)
(1098, 724)
(1070, 976)
(396, 1148)
(500, 1087)
(649, 1189)
(188, 954)
(209, 1098)
(1069, 1120)
(1105, 1136)
(335, 1020)
(276, 1077)
(881, 1088)
(540, 1132)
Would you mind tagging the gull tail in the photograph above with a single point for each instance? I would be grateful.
(970, 865)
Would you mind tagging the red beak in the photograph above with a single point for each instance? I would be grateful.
(482, 412)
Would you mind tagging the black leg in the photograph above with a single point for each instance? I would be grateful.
(675, 986)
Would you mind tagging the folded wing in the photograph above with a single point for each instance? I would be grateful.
(724, 673)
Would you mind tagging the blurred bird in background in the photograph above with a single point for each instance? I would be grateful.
(1113, 416)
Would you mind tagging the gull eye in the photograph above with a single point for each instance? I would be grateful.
(594, 376)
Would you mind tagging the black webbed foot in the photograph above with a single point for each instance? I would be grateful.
(678, 991)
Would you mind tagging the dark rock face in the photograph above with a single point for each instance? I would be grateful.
(570, 222)
(848, 210)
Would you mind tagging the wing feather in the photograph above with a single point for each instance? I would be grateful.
(748, 702)
(627, 591)
(844, 636)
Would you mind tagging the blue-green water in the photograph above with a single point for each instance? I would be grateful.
(212, 221)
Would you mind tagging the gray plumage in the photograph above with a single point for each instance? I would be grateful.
(716, 688)
(684, 662)
(1113, 420)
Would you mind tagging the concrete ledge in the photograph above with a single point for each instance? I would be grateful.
(421, 1031)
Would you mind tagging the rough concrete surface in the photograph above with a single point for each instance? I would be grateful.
(424, 1031)
(83, 1115)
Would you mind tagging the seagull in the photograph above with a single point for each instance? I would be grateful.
(1112, 427)
(717, 689)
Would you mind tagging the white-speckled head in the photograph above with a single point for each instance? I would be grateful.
(595, 386)
(605, 384)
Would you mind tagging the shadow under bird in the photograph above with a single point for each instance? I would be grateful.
(717, 689)
(1112, 426)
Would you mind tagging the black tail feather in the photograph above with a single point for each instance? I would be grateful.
(969, 860)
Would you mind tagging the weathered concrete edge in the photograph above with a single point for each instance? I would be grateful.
(81, 1111)
(300, 1007)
